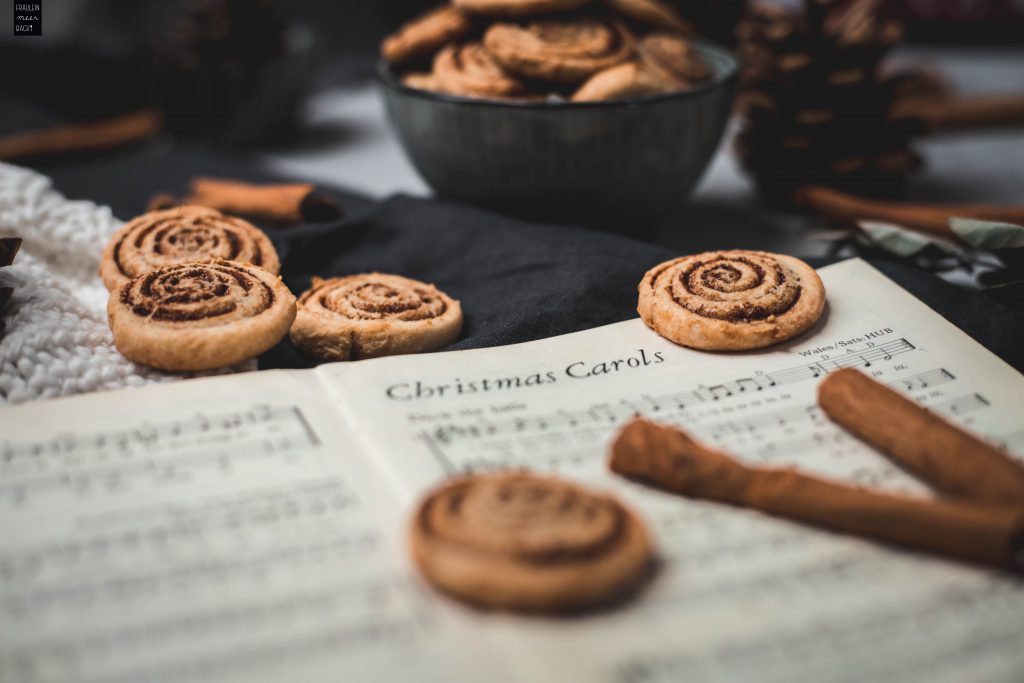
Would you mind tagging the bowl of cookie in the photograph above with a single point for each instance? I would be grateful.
(585, 110)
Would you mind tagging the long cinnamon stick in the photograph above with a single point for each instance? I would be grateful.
(668, 459)
(82, 137)
(927, 218)
(950, 459)
(280, 203)
(963, 113)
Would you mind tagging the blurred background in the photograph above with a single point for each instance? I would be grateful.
(288, 88)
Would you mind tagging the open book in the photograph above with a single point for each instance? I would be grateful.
(252, 527)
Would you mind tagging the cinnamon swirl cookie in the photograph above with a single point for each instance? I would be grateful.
(622, 81)
(371, 315)
(517, 8)
(668, 63)
(731, 300)
(426, 34)
(186, 233)
(526, 543)
(673, 59)
(470, 70)
(652, 12)
(420, 81)
(563, 50)
(199, 315)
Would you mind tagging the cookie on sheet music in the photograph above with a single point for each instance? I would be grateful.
(373, 315)
(731, 300)
(199, 315)
(525, 543)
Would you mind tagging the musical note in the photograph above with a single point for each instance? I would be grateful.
(750, 384)
(719, 391)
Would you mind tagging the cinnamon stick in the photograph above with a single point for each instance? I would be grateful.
(963, 113)
(668, 459)
(281, 203)
(932, 219)
(82, 137)
(950, 459)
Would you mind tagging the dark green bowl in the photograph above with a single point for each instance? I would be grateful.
(565, 160)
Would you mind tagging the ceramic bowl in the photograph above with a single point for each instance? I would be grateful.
(565, 159)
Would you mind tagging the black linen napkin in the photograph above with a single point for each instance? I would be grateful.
(520, 281)
(517, 281)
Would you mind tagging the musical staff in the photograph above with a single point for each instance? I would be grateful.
(572, 439)
(351, 600)
(279, 510)
(886, 634)
(208, 542)
(795, 416)
(162, 452)
(327, 623)
(654, 406)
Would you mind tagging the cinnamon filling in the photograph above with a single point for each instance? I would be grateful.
(376, 300)
(191, 292)
(185, 233)
(735, 289)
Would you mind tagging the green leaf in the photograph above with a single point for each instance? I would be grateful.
(988, 235)
(898, 240)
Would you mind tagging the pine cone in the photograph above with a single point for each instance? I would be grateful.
(8, 248)
(816, 109)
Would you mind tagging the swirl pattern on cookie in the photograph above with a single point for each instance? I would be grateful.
(517, 8)
(527, 543)
(186, 233)
(563, 51)
(374, 314)
(200, 315)
(731, 300)
(470, 70)
(426, 34)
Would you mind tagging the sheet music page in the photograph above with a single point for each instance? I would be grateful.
(739, 596)
(221, 529)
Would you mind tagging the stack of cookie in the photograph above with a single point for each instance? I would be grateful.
(816, 106)
(194, 289)
(537, 50)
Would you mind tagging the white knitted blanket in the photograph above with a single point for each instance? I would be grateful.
(57, 341)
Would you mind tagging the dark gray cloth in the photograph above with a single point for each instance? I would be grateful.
(520, 281)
